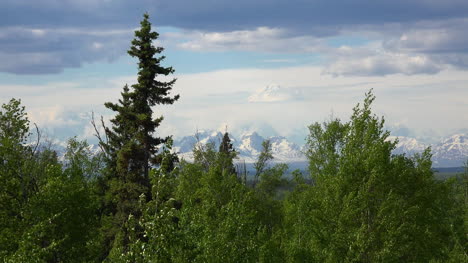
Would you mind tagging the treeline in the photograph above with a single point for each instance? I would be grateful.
(136, 201)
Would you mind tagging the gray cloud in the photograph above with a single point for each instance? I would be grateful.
(35, 51)
(443, 42)
(46, 36)
(263, 39)
(365, 61)
(229, 15)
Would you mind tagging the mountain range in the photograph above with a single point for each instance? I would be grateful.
(448, 152)
(248, 145)
(451, 151)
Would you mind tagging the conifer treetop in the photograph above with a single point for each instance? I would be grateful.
(149, 67)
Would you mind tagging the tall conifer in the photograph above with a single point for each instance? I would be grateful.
(131, 145)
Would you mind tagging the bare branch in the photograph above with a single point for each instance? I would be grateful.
(98, 134)
(38, 139)
(105, 129)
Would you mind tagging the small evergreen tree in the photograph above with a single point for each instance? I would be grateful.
(226, 145)
(226, 155)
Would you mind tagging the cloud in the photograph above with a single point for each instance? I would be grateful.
(444, 42)
(405, 99)
(432, 37)
(424, 47)
(229, 15)
(45, 50)
(319, 16)
(368, 62)
(262, 39)
(47, 36)
(275, 93)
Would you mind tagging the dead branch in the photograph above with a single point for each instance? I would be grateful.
(98, 134)
(38, 139)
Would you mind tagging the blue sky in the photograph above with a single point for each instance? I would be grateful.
(267, 65)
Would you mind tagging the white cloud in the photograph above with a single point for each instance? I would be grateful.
(211, 99)
(431, 37)
(401, 98)
(381, 62)
(422, 47)
(263, 39)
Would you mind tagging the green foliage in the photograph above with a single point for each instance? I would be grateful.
(458, 210)
(81, 162)
(205, 155)
(17, 182)
(221, 220)
(47, 213)
(61, 219)
(366, 204)
(272, 179)
(265, 156)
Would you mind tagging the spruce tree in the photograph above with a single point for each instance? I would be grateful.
(132, 147)
(226, 155)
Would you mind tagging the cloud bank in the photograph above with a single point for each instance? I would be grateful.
(48, 36)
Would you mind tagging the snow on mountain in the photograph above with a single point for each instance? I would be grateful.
(449, 152)
(249, 146)
(275, 93)
(452, 151)
(185, 145)
(286, 151)
(407, 145)
(61, 149)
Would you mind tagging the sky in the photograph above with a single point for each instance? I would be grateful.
(272, 66)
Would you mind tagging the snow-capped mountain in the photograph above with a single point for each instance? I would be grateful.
(61, 149)
(407, 145)
(285, 150)
(185, 145)
(249, 146)
(275, 93)
(449, 152)
(452, 151)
